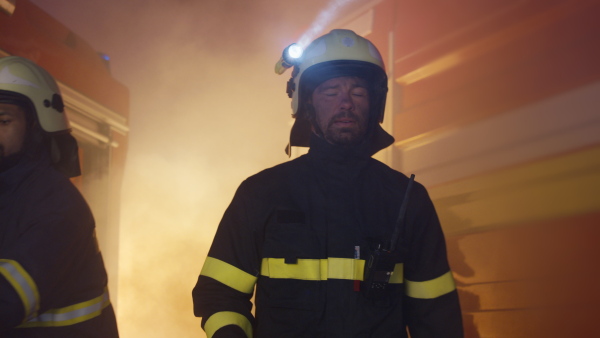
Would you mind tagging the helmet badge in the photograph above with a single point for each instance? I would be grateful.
(348, 41)
(57, 103)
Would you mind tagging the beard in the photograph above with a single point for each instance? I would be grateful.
(8, 161)
(346, 136)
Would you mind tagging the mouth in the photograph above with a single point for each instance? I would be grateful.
(344, 121)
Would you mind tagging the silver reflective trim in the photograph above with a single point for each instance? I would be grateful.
(64, 316)
(22, 287)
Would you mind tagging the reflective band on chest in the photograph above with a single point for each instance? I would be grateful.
(321, 269)
(23, 284)
(70, 315)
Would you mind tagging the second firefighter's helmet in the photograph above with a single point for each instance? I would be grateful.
(22, 79)
(24, 83)
(339, 53)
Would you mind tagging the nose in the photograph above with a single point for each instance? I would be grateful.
(346, 101)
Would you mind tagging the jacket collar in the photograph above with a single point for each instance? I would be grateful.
(12, 177)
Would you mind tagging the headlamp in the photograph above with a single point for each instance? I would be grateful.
(290, 57)
(292, 53)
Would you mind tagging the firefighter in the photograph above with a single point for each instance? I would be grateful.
(52, 277)
(322, 237)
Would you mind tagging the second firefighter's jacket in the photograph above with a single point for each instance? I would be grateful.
(302, 231)
(52, 277)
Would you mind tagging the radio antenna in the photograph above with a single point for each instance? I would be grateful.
(400, 220)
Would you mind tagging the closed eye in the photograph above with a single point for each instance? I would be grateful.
(330, 93)
(359, 92)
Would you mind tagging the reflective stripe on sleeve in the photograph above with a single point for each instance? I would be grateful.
(222, 319)
(72, 314)
(321, 269)
(432, 288)
(23, 284)
(229, 275)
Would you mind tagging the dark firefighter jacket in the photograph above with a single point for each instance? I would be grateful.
(52, 277)
(301, 231)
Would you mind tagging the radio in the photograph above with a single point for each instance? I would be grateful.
(382, 261)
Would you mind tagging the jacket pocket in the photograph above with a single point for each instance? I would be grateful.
(289, 236)
(289, 244)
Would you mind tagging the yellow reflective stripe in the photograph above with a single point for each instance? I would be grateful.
(222, 319)
(72, 314)
(23, 284)
(345, 268)
(432, 288)
(228, 275)
(305, 269)
(398, 274)
(321, 269)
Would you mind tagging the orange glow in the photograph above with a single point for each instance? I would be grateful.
(493, 105)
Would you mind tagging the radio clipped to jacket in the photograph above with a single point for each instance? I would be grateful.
(382, 261)
(378, 271)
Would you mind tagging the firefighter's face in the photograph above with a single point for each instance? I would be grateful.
(13, 126)
(341, 109)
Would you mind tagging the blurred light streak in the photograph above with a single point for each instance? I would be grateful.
(324, 18)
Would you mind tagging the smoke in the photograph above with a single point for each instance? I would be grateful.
(207, 111)
(324, 19)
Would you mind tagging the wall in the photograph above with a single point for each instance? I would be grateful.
(495, 109)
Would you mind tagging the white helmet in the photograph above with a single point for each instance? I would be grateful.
(22, 76)
(26, 84)
(339, 53)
